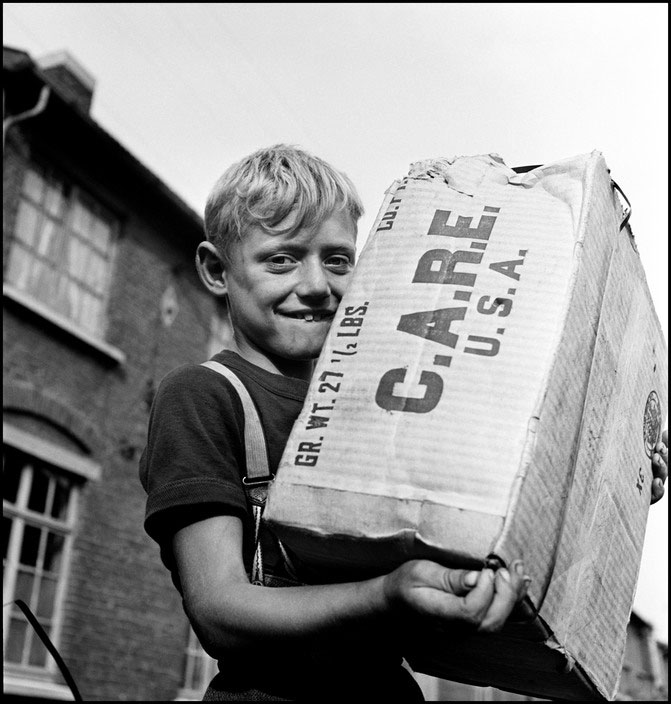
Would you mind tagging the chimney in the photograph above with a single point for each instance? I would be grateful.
(69, 78)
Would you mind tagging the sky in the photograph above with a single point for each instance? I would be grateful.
(372, 87)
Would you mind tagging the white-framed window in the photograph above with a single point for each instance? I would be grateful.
(38, 518)
(199, 669)
(63, 250)
(41, 486)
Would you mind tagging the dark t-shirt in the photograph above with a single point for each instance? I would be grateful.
(194, 461)
(192, 469)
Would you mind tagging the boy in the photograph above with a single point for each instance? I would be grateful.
(281, 231)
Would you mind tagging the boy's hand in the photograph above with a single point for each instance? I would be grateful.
(660, 469)
(482, 600)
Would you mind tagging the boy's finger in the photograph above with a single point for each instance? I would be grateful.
(657, 490)
(479, 599)
(660, 466)
(460, 582)
(510, 587)
(660, 469)
(523, 580)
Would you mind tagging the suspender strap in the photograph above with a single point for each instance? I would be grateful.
(258, 471)
(256, 480)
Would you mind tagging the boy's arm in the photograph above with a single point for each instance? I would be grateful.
(227, 612)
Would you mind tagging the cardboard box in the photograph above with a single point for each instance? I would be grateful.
(491, 388)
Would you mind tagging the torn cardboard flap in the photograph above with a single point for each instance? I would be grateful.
(463, 174)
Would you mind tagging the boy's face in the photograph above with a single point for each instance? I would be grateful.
(284, 289)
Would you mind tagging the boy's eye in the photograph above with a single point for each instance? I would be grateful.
(339, 263)
(279, 262)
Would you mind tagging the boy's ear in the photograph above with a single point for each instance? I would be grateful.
(211, 268)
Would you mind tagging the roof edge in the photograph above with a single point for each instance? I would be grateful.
(16, 60)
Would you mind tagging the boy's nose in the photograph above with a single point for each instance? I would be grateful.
(314, 282)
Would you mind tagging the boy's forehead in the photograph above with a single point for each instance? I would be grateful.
(338, 223)
(339, 215)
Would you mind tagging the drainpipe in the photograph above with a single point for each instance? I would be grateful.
(7, 122)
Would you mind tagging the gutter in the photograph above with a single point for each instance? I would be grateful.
(7, 122)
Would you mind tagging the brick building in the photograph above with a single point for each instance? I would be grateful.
(100, 300)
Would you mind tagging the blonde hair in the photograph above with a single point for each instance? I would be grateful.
(263, 188)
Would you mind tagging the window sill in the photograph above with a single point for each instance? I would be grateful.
(112, 353)
(37, 687)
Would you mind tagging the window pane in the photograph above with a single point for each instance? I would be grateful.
(79, 265)
(19, 270)
(53, 202)
(15, 639)
(42, 282)
(6, 532)
(48, 286)
(11, 475)
(54, 552)
(50, 243)
(44, 236)
(89, 312)
(101, 234)
(95, 275)
(26, 223)
(30, 546)
(38, 652)
(24, 586)
(39, 489)
(47, 598)
(33, 185)
(58, 285)
(81, 219)
(102, 276)
(62, 301)
(59, 508)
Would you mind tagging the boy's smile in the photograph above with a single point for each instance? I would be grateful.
(283, 291)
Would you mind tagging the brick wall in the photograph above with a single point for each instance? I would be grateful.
(124, 631)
